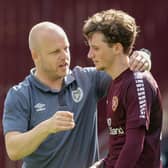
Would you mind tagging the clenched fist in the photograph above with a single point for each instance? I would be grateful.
(60, 121)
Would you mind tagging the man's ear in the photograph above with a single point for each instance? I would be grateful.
(34, 55)
(118, 48)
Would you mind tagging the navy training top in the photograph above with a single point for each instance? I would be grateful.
(31, 102)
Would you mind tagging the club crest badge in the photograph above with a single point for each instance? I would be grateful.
(77, 95)
(114, 103)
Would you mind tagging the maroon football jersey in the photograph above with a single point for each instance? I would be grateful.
(134, 101)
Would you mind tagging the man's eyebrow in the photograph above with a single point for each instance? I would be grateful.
(91, 44)
(94, 45)
(54, 50)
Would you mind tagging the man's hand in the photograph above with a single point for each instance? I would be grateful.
(60, 121)
(98, 164)
(20, 145)
(140, 61)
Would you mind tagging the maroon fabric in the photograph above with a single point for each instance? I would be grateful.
(134, 102)
(132, 148)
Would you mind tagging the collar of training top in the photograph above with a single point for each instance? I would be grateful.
(68, 79)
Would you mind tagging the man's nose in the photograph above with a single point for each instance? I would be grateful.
(90, 54)
(65, 54)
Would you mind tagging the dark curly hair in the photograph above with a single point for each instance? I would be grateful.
(116, 25)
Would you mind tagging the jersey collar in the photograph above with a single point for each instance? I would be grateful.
(68, 79)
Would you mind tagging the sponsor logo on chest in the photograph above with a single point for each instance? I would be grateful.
(116, 130)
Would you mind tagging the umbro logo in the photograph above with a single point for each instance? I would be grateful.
(40, 107)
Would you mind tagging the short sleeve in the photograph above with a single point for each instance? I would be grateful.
(16, 112)
(99, 80)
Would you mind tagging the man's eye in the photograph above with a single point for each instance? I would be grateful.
(96, 48)
(55, 52)
(66, 48)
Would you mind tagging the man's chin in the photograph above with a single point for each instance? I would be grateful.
(65, 72)
(99, 68)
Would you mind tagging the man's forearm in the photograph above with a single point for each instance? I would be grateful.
(20, 145)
